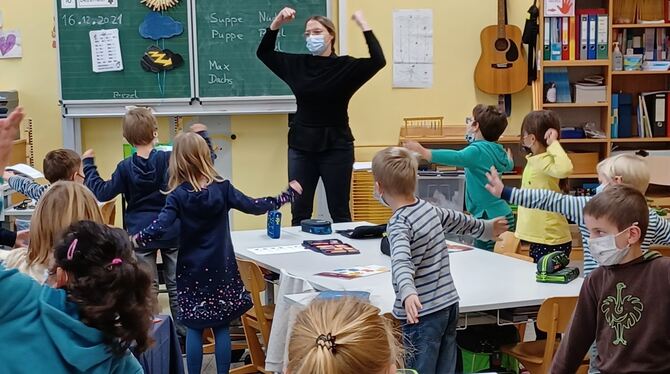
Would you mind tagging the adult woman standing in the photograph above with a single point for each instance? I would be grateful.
(320, 140)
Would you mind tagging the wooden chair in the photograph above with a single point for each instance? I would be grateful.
(509, 243)
(553, 318)
(108, 210)
(258, 320)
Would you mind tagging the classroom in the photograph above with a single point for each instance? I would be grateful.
(335, 186)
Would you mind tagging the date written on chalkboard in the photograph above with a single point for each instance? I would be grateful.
(72, 20)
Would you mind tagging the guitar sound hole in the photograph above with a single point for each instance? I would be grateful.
(501, 44)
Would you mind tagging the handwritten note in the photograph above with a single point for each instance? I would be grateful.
(97, 3)
(413, 48)
(105, 50)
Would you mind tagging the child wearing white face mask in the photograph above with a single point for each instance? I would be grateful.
(623, 303)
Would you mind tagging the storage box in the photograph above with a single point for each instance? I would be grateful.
(444, 191)
(9, 100)
(588, 94)
(584, 163)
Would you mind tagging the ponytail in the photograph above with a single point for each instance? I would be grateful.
(111, 290)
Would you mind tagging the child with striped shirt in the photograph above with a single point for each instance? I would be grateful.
(426, 298)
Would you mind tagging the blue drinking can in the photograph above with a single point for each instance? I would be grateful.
(274, 224)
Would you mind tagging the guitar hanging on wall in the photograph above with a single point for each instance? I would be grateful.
(502, 67)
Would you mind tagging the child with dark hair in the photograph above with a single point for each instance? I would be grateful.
(483, 130)
(101, 303)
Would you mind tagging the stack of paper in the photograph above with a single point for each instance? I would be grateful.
(25, 170)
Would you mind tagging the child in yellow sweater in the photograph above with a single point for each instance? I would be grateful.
(547, 163)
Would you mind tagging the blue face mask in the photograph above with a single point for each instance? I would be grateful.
(316, 44)
(470, 137)
(600, 188)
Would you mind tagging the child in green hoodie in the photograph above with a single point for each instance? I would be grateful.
(101, 303)
(483, 130)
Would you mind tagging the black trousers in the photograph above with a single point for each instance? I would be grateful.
(334, 166)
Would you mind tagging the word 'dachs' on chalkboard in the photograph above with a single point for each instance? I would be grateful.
(228, 34)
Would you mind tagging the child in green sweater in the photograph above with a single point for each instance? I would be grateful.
(483, 130)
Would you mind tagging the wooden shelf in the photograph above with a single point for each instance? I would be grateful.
(640, 140)
(575, 105)
(512, 176)
(505, 139)
(639, 25)
(642, 72)
(582, 141)
(569, 63)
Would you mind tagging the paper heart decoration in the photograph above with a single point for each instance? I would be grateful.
(7, 42)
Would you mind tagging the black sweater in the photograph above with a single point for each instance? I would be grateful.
(322, 87)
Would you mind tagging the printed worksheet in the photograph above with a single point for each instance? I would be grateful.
(413, 48)
(105, 50)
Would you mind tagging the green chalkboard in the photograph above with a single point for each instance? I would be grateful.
(228, 34)
(80, 82)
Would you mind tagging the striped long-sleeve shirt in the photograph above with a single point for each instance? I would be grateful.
(572, 207)
(419, 255)
(27, 186)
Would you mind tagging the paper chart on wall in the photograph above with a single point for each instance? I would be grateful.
(106, 50)
(413, 48)
(97, 3)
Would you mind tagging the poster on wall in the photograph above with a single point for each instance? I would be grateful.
(10, 44)
(413, 48)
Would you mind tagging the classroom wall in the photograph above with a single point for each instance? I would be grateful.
(259, 153)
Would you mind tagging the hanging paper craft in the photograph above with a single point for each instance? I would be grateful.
(159, 5)
(156, 60)
(157, 26)
(10, 44)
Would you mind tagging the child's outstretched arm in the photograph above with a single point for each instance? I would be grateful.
(464, 158)
(662, 226)
(102, 189)
(246, 204)
(25, 186)
(569, 206)
(160, 225)
(463, 224)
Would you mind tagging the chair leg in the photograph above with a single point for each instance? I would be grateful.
(522, 331)
(255, 347)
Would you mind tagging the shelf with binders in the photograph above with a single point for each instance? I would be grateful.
(641, 25)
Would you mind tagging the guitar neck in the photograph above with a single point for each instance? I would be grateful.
(501, 19)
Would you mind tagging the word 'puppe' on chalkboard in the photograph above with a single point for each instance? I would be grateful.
(156, 26)
(156, 60)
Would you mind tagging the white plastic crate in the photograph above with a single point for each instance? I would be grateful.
(445, 191)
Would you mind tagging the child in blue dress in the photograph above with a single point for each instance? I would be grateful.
(209, 287)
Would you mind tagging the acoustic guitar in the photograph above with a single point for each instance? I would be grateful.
(502, 68)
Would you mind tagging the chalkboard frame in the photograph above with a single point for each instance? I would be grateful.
(191, 106)
(95, 107)
(262, 104)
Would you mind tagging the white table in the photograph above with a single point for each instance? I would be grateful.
(485, 281)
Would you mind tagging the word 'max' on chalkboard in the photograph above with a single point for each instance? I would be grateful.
(112, 70)
(228, 34)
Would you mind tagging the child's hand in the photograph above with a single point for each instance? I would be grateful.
(495, 185)
(551, 136)
(8, 129)
(7, 174)
(90, 153)
(412, 307)
(197, 127)
(22, 238)
(509, 154)
(418, 148)
(500, 226)
(296, 186)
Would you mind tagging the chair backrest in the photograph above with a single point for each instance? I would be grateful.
(364, 207)
(553, 318)
(508, 243)
(252, 276)
(108, 210)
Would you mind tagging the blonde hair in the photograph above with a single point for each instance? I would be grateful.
(395, 168)
(632, 170)
(191, 162)
(63, 204)
(139, 126)
(354, 339)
